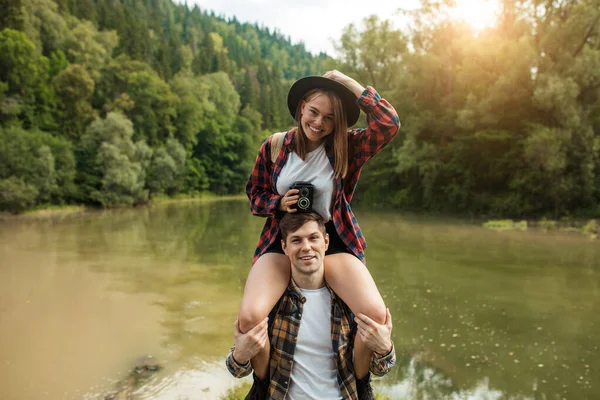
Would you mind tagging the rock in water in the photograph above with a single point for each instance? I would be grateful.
(144, 367)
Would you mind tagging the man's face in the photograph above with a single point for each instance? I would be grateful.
(306, 248)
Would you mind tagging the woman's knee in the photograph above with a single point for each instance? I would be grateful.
(250, 316)
(374, 309)
(351, 280)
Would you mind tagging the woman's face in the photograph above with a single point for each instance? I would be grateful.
(317, 118)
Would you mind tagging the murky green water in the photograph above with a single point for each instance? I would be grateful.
(477, 314)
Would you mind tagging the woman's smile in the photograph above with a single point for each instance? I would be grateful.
(317, 118)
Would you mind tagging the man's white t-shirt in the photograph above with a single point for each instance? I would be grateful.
(314, 373)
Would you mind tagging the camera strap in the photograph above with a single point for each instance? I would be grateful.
(276, 144)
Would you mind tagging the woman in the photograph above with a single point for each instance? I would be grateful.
(320, 150)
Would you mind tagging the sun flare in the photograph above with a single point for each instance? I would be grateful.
(480, 14)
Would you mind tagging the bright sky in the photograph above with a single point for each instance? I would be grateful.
(314, 22)
(479, 14)
(318, 23)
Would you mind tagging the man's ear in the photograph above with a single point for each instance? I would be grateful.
(326, 241)
(283, 246)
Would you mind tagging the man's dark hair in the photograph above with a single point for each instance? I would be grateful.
(291, 222)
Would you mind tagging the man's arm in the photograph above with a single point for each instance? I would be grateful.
(246, 347)
(236, 369)
(379, 339)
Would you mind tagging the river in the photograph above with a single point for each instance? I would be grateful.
(477, 314)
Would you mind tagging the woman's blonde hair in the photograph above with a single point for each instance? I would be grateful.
(338, 138)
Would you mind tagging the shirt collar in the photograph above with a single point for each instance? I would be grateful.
(293, 287)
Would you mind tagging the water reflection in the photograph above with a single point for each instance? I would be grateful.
(511, 312)
(477, 314)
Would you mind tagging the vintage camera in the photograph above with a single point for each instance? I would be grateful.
(305, 201)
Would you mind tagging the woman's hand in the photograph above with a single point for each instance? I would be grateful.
(288, 200)
(375, 336)
(345, 80)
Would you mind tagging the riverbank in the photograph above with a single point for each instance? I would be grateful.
(49, 211)
(201, 198)
(589, 228)
(70, 210)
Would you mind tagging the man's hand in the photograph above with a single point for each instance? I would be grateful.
(375, 336)
(249, 344)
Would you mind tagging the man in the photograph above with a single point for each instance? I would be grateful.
(310, 330)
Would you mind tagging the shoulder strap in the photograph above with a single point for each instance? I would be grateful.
(276, 144)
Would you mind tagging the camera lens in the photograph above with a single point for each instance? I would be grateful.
(303, 192)
(303, 203)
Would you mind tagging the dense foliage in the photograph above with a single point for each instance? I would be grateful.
(506, 122)
(113, 102)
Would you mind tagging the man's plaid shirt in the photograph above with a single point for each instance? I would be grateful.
(383, 123)
(284, 325)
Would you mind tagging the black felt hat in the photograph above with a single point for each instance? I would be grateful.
(303, 85)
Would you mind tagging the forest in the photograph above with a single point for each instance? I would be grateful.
(115, 102)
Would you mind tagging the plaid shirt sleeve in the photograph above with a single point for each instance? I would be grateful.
(235, 369)
(383, 124)
(381, 364)
(263, 202)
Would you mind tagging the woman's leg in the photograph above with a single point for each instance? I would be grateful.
(267, 280)
(351, 281)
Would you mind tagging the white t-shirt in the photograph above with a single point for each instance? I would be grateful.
(314, 373)
(317, 170)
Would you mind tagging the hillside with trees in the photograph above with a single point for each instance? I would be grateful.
(110, 103)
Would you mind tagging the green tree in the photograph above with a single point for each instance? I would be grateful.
(16, 195)
(44, 25)
(20, 68)
(250, 89)
(167, 170)
(58, 62)
(122, 179)
(74, 88)
(26, 74)
(218, 142)
(39, 160)
(113, 175)
(153, 102)
(191, 105)
(90, 48)
(375, 54)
